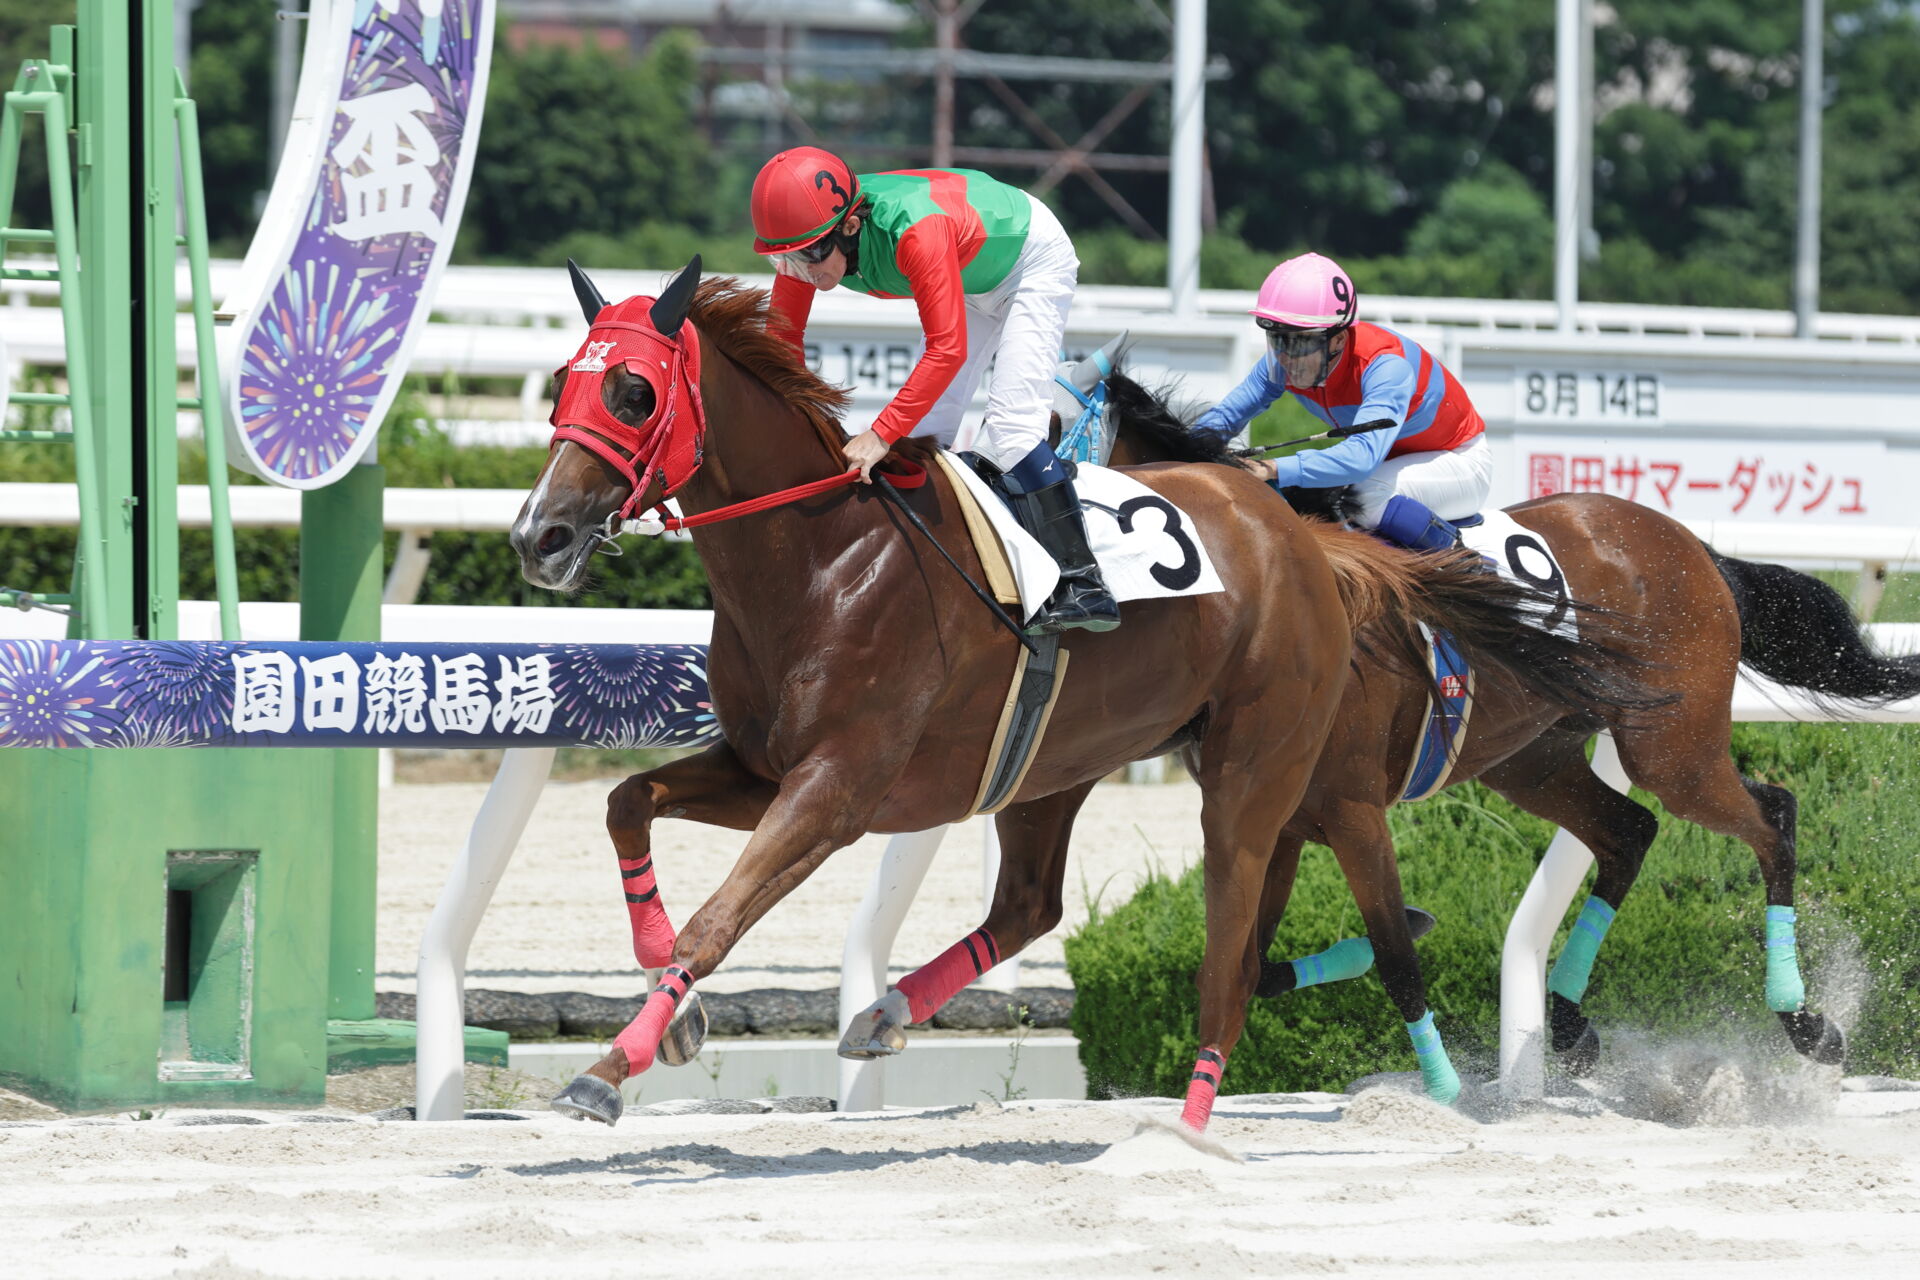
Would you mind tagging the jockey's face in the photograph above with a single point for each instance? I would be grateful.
(824, 272)
(1306, 358)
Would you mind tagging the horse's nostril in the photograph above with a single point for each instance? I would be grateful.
(554, 540)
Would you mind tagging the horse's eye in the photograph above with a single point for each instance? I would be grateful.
(638, 391)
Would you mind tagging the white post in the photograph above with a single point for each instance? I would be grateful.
(439, 1013)
(1806, 269)
(1189, 132)
(1004, 976)
(1523, 958)
(863, 961)
(1567, 112)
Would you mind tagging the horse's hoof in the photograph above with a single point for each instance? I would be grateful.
(1419, 922)
(589, 1098)
(1816, 1037)
(878, 1031)
(1584, 1055)
(686, 1033)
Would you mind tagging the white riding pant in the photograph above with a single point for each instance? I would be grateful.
(1019, 327)
(1453, 484)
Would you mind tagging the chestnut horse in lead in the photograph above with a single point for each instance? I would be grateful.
(858, 682)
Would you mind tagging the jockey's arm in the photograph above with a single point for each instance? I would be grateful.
(929, 257)
(1386, 390)
(1245, 402)
(792, 303)
(1350, 461)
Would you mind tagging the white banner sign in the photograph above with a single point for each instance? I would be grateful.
(1611, 397)
(1716, 479)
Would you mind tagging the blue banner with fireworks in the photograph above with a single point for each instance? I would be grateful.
(136, 693)
(362, 218)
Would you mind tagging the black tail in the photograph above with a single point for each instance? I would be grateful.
(1798, 631)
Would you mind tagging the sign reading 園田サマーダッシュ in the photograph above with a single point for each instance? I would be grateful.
(362, 217)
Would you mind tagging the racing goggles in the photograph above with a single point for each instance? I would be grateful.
(1295, 344)
(812, 255)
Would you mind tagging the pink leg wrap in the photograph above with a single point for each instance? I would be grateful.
(1207, 1070)
(652, 932)
(642, 1036)
(932, 985)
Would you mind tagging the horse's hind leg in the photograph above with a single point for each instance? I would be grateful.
(1026, 905)
(1552, 779)
(1696, 780)
(1242, 811)
(711, 787)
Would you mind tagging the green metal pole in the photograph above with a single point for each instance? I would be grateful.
(341, 556)
(104, 146)
(95, 550)
(155, 251)
(213, 425)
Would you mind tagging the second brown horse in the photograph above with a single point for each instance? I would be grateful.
(1696, 617)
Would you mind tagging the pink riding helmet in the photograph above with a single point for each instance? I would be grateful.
(1308, 292)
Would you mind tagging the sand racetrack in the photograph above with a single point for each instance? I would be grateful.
(1382, 1184)
(1710, 1170)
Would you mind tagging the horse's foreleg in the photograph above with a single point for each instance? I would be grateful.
(712, 787)
(1358, 835)
(1026, 905)
(1553, 780)
(1277, 978)
(813, 813)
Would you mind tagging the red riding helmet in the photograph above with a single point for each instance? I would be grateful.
(800, 196)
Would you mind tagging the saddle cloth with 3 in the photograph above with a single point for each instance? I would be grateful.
(1147, 548)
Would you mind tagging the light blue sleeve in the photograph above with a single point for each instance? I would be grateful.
(1386, 388)
(1245, 402)
(1348, 462)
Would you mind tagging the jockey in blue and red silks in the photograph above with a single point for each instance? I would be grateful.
(1429, 463)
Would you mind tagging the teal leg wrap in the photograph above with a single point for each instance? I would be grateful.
(1575, 965)
(1347, 958)
(1785, 991)
(1443, 1082)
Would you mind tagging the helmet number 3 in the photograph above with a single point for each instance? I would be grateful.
(825, 178)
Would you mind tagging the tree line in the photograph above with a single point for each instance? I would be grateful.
(1413, 141)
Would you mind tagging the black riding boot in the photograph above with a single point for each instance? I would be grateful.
(1052, 515)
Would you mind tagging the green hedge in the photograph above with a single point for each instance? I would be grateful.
(1684, 955)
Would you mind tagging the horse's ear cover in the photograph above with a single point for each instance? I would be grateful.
(590, 300)
(670, 312)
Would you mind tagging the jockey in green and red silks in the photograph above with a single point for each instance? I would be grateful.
(993, 275)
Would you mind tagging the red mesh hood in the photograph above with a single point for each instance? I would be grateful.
(669, 443)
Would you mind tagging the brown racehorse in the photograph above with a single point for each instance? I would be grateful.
(1700, 615)
(858, 682)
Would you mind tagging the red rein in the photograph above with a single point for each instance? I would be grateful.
(669, 444)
